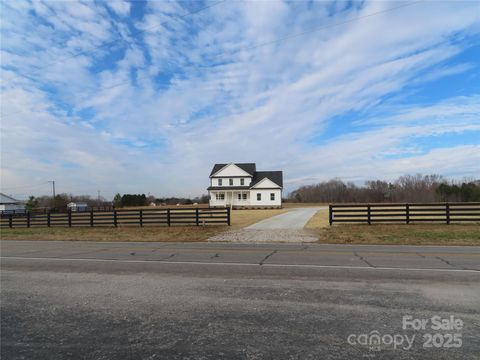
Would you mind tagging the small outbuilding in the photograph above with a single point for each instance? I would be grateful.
(78, 207)
(11, 205)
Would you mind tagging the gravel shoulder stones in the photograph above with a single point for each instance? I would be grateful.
(264, 236)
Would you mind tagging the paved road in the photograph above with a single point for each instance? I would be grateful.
(90, 300)
(356, 257)
(293, 219)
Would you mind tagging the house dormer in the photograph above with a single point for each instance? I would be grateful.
(232, 175)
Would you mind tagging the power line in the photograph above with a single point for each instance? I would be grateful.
(133, 34)
(26, 186)
(279, 40)
(323, 27)
(285, 38)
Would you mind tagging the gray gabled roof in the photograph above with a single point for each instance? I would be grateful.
(247, 167)
(5, 199)
(275, 176)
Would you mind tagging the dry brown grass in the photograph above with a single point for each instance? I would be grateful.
(162, 207)
(243, 218)
(394, 234)
(289, 205)
(319, 220)
(153, 233)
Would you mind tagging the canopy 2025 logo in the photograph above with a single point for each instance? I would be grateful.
(438, 333)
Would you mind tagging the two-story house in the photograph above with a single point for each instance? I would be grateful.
(241, 185)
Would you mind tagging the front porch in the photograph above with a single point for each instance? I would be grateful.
(231, 198)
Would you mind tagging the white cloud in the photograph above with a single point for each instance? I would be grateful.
(122, 8)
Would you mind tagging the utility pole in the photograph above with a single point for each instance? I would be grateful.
(53, 191)
(53, 187)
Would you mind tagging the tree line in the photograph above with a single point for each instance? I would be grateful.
(408, 188)
(61, 200)
(142, 200)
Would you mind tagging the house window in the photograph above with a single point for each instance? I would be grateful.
(272, 196)
(259, 197)
(239, 196)
(244, 196)
(242, 182)
(219, 182)
(230, 182)
(220, 196)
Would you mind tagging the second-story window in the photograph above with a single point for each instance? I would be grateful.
(219, 182)
(242, 182)
(230, 182)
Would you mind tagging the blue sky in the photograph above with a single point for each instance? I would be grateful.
(145, 97)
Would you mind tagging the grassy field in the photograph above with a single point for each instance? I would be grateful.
(239, 219)
(180, 233)
(319, 220)
(296, 205)
(243, 218)
(393, 234)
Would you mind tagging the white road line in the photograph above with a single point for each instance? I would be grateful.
(245, 264)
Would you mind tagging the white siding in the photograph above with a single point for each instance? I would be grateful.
(226, 182)
(265, 195)
(11, 207)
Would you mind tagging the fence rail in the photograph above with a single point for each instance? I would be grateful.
(45, 210)
(137, 217)
(405, 213)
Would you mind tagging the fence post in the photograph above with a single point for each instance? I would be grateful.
(91, 218)
(10, 220)
(141, 218)
(168, 217)
(69, 217)
(407, 213)
(115, 218)
(48, 218)
(447, 211)
(228, 216)
(197, 220)
(330, 214)
(369, 217)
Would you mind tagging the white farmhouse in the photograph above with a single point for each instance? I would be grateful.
(240, 185)
(78, 207)
(10, 205)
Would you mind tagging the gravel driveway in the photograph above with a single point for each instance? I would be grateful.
(293, 219)
(287, 227)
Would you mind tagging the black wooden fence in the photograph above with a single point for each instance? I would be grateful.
(137, 217)
(405, 213)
